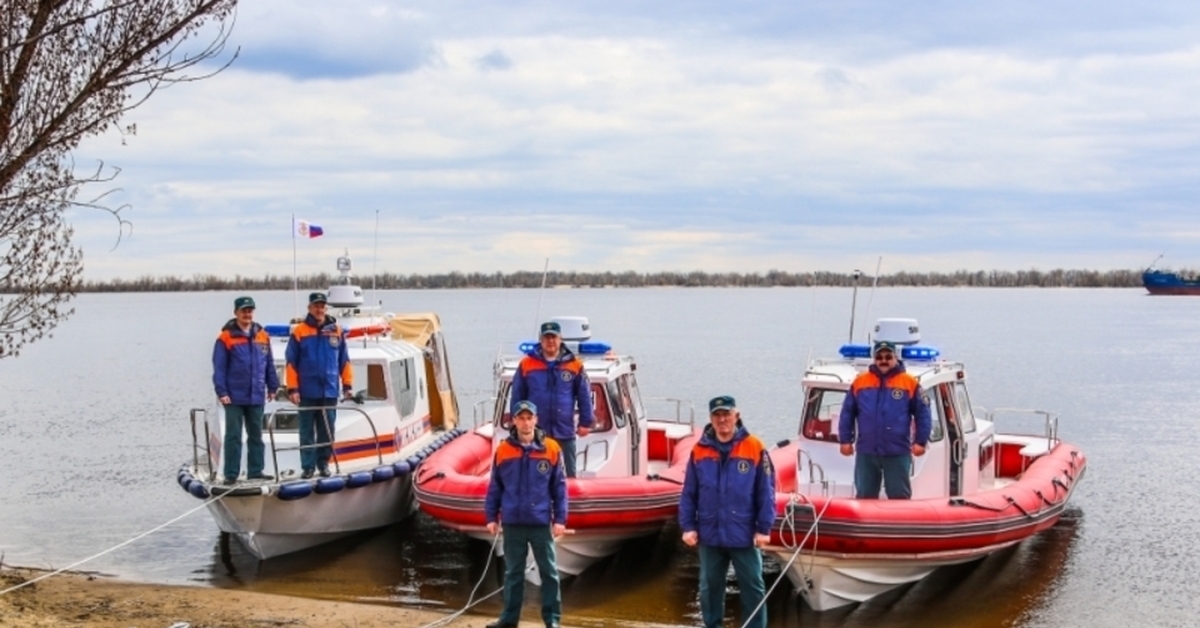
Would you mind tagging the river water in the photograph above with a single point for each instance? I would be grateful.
(93, 426)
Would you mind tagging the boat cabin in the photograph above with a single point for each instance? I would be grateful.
(623, 441)
(960, 457)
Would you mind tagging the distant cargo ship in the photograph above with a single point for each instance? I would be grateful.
(1166, 282)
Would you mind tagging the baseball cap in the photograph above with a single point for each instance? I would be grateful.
(525, 406)
(551, 328)
(242, 303)
(317, 297)
(724, 402)
(883, 345)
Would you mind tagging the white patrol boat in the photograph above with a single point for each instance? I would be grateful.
(403, 409)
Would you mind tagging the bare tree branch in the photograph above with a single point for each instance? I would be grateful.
(71, 69)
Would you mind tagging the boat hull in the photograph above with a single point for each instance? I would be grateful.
(1164, 283)
(840, 551)
(269, 526)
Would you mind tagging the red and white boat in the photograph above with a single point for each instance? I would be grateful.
(630, 467)
(976, 490)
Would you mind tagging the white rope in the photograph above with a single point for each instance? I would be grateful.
(113, 548)
(438, 623)
(783, 572)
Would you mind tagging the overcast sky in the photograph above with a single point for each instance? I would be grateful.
(718, 136)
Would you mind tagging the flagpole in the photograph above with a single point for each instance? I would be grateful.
(295, 283)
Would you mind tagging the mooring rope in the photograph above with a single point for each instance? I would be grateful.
(113, 548)
(438, 623)
(799, 546)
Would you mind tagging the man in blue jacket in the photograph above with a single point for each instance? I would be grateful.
(316, 360)
(882, 411)
(528, 497)
(727, 508)
(244, 378)
(554, 379)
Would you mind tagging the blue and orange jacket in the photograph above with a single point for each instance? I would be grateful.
(529, 486)
(554, 387)
(880, 410)
(728, 501)
(243, 366)
(317, 358)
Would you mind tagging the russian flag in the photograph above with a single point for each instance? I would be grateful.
(306, 229)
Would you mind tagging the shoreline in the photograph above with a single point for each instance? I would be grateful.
(105, 601)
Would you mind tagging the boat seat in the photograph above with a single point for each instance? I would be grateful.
(1036, 449)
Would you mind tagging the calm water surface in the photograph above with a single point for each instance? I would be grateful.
(94, 425)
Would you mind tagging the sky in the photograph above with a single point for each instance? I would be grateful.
(667, 136)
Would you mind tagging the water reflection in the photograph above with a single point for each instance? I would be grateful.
(653, 580)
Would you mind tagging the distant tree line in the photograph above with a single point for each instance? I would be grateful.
(1057, 278)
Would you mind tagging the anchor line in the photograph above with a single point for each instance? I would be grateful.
(471, 601)
(115, 547)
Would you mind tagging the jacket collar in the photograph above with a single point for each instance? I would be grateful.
(539, 439)
(709, 438)
(312, 322)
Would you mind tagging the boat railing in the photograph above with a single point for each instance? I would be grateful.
(197, 448)
(815, 470)
(275, 449)
(679, 406)
(1049, 422)
(587, 450)
(479, 411)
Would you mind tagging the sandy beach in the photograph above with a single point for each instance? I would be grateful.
(100, 601)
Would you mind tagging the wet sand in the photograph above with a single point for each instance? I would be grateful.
(99, 601)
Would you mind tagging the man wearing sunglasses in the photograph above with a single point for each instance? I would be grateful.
(878, 418)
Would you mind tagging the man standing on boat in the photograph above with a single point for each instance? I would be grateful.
(244, 378)
(727, 509)
(882, 411)
(316, 360)
(528, 497)
(554, 379)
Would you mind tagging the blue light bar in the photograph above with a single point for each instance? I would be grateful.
(529, 347)
(919, 353)
(855, 351)
(278, 330)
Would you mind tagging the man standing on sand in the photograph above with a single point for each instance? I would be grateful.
(316, 359)
(244, 378)
(726, 511)
(554, 379)
(528, 497)
(882, 410)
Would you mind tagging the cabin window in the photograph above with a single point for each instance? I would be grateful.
(635, 396)
(601, 410)
(822, 409)
(370, 381)
(403, 382)
(964, 407)
(620, 403)
(936, 416)
(500, 415)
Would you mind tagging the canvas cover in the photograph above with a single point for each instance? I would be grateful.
(425, 330)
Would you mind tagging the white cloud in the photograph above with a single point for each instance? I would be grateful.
(519, 134)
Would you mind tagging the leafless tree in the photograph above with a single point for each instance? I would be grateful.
(71, 69)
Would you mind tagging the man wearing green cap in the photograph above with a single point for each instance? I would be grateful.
(244, 378)
(882, 411)
(318, 367)
(726, 511)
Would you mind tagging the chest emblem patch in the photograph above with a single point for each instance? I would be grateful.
(743, 466)
(897, 394)
(566, 376)
(543, 467)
